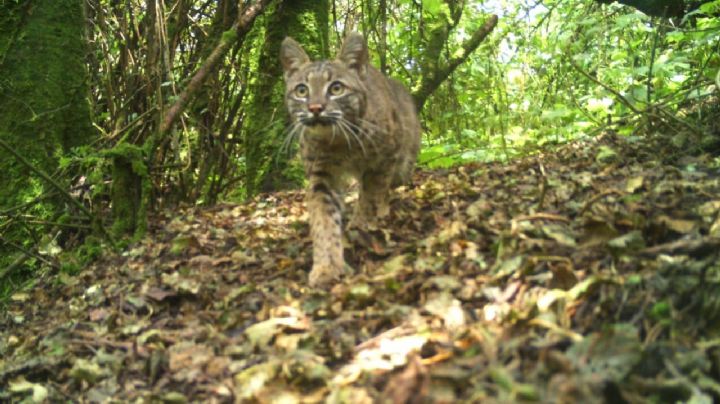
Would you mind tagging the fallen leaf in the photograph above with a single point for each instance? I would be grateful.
(87, 371)
(20, 385)
(633, 184)
(410, 385)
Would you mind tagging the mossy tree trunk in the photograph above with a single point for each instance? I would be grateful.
(308, 22)
(44, 111)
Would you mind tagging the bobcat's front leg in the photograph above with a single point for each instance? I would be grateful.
(325, 212)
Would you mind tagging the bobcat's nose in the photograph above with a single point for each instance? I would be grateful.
(316, 109)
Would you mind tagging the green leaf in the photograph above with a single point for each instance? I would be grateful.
(432, 6)
(710, 7)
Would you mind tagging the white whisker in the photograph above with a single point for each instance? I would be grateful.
(292, 132)
(366, 134)
(344, 125)
(373, 126)
(344, 133)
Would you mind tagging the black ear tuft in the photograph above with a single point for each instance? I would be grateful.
(354, 53)
(292, 56)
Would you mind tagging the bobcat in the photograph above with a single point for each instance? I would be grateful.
(352, 120)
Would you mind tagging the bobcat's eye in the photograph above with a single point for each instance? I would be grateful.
(301, 91)
(336, 88)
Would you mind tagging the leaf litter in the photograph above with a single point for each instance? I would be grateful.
(589, 274)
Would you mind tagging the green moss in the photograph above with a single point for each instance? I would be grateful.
(129, 191)
(229, 36)
(44, 109)
(307, 22)
(131, 153)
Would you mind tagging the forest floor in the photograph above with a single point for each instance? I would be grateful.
(586, 274)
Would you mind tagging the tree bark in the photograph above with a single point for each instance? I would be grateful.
(44, 110)
(308, 22)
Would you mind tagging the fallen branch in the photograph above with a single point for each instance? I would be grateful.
(696, 248)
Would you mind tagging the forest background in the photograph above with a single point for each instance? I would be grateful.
(110, 110)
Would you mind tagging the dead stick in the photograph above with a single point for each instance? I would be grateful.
(597, 197)
(697, 247)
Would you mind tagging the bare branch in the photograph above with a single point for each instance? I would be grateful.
(239, 29)
(432, 80)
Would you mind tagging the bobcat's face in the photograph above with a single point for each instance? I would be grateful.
(326, 97)
(324, 94)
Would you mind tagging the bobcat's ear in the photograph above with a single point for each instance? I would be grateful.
(354, 53)
(292, 56)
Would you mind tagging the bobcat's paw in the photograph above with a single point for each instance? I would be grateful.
(324, 275)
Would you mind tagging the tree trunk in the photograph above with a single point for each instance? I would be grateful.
(44, 109)
(308, 22)
(43, 89)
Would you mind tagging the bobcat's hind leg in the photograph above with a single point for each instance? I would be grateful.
(373, 200)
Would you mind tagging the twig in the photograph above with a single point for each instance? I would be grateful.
(46, 177)
(650, 67)
(597, 197)
(538, 322)
(543, 185)
(614, 92)
(8, 269)
(27, 204)
(102, 343)
(26, 252)
(697, 247)
(393, 333)
(55, 185)
(541, 216)
(240, 27)
(681, 121)
(58, 224)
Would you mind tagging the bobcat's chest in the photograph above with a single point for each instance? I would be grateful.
(352, 146)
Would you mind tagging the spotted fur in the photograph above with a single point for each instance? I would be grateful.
(351, 121)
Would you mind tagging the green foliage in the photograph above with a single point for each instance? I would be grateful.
(229, 36)
(562, 71)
